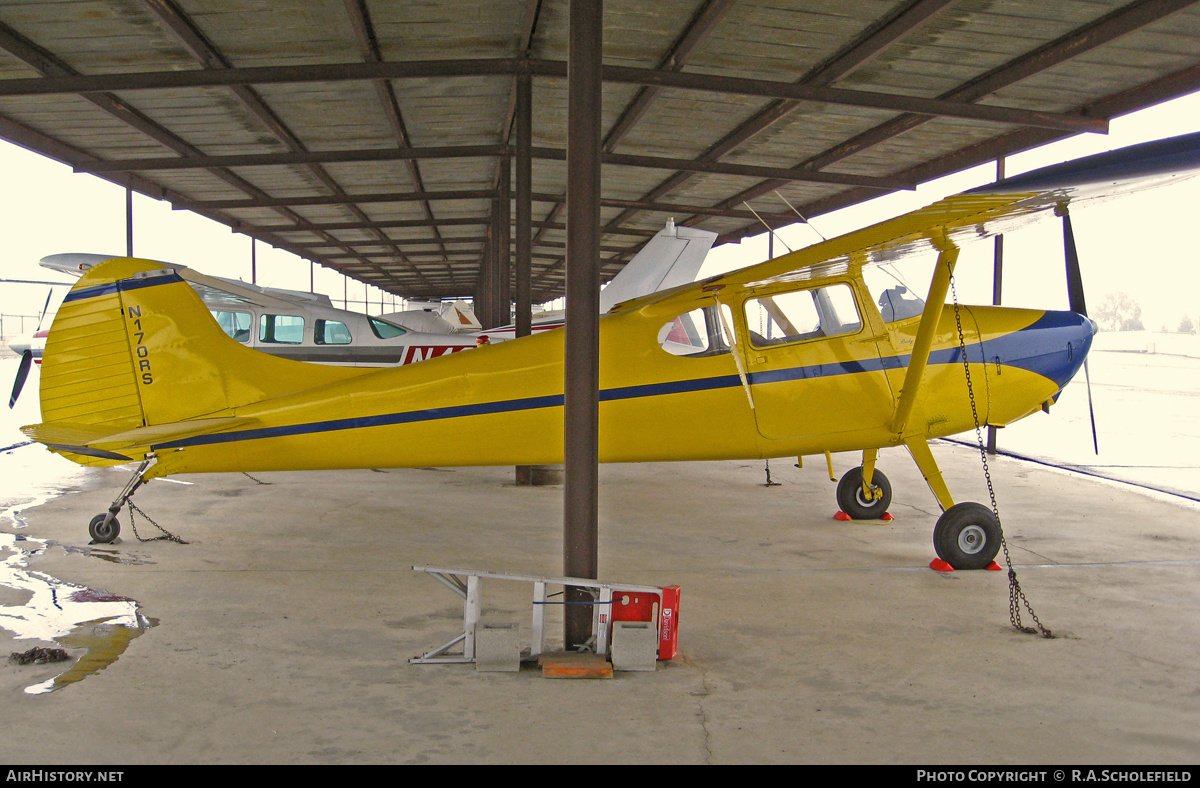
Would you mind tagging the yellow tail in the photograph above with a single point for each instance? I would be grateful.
(134, 356)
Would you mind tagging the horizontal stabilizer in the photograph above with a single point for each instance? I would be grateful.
(91, 441)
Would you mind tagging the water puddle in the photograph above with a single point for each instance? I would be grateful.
(93, 626)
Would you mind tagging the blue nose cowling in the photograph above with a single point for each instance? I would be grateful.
(1053, 347)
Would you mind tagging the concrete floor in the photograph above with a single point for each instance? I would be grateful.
(280, 632)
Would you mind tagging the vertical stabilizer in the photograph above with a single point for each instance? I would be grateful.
(671, 258)
(133, 346)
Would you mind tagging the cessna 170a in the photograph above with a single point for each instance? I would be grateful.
(790, 357)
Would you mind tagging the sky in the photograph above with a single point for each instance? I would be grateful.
(1143, 245)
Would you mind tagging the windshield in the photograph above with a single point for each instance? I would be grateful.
(384, 329)
(892, 294)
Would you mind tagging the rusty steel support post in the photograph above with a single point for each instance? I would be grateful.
(997, 287)
(487, 279)
(129, 221)
(524, 225)
(504, 241)
(524, 184)
(581, 408)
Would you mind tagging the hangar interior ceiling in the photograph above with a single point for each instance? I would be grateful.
(379, 137)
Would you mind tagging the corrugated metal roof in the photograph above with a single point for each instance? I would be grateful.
(369, 136)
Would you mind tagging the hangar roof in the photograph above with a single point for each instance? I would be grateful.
(376, 137)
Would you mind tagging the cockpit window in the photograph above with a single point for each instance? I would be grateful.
(281, 329)
(798, 315)
(331, 332)
(700, 332)
(895, 300)
(384, 329)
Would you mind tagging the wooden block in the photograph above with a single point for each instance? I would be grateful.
(574, 665)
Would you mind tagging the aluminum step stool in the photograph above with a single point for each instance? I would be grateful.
(466, 584)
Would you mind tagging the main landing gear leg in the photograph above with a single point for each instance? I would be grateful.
(967, 535)
(104, 528)
(864, 493)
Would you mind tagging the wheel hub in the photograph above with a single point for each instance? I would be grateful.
(972, 539)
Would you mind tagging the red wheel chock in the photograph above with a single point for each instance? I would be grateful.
(845, 518)
(938, 565)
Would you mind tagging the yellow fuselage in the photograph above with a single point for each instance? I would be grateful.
(502, 404)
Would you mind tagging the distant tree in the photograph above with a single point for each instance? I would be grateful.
(1186, 326)
(1119, 312)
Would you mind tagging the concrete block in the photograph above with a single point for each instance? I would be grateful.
(497, 647)
(634, 645)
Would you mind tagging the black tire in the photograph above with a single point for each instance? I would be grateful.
(967, 536)
(851, 500)
(102, 534)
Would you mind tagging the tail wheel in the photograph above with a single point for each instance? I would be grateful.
(855, 502)
(102, 533)
(967, 536)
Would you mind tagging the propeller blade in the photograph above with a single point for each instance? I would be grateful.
(1077, 304)
(1091, 411)
(1074, 278)
(22, 373)
(45, 308)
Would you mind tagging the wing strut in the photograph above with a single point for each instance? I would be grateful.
(934, 304)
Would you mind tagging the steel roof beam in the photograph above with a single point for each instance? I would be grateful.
(368, 46)
(1124, 20)
(1180, 83)
(874, 39)
(462, 194)
(229, 77)
(48, 63)
(486, 151)
(210, 57)
(400, 223)
(302, 157)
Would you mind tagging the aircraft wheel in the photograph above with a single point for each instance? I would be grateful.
(967, 536)
(853, 502)
(101, 533)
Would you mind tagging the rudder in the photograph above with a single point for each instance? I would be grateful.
(134, 346)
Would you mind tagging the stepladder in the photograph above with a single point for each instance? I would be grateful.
(613, 603)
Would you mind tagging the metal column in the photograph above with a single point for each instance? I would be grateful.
(582, 352)
(997, 287)
(129, 221)
(524, 207)
(524, 226)
(503, 242)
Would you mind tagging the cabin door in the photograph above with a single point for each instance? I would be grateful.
(812, 363)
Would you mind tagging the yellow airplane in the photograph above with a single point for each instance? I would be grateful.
(788, 358)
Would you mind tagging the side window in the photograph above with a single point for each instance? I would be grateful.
(235, 324)
(799, 315)
(896, 301)
(700, 332)
(281, 329)
(384, 329)
(331, 332)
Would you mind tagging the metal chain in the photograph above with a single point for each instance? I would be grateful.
(1016, 597)
(167, 535)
